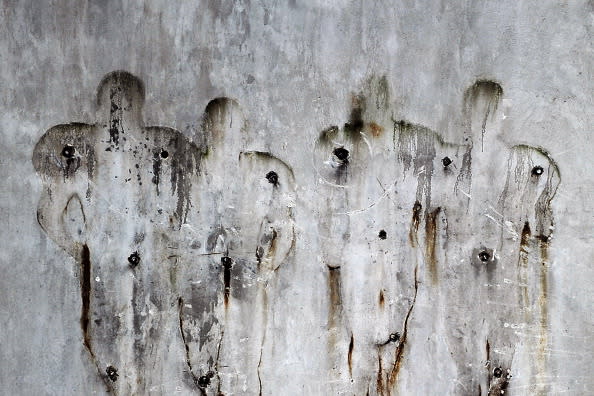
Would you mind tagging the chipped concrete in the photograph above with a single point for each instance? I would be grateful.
(334, 198)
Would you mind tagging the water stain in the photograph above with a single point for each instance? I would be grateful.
(431, 242)
(334, 288)
(487, 91)
(354, 126)
(414, 225)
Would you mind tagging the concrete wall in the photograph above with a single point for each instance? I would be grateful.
(273, 198)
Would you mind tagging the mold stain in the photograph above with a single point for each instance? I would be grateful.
(115, 116)
(431, 242)
(72, 165)
(156, 170)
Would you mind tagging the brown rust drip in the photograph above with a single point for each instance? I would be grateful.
(382, 299)
(414, 226)
(525, 239)
(400, 348)
(431, 241)
(335, 294)
(376, 130)
(543, 305)
(380, 380)
(523, 264)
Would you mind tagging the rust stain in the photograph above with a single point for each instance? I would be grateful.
(523, 265)
(414, 226)
(381, 298)
(430, 242)
(350, 356)
(376, 130)
(380, 380)
(543, 305)
(335, 295)
(400, 348)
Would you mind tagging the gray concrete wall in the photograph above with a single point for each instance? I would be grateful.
(366, 264)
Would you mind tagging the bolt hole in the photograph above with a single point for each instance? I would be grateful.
(484, 256)
(382, 234)
(395, 337)
(537, 171)
(446, 161)
(164, 154)
(204, 380)
(134, 259)
(272, 177)
(112, 373)
(341, 153)
(68, 151)
(498, 372)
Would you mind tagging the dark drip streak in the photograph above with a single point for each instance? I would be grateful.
(85, 286)
(400, 349)
(180, 306)
(227, 281)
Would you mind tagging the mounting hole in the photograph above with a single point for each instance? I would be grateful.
(68, 151)
(498, 372)
(382, 234)
(134, 259)
(112, 373)
(204, 381)
(537, 170)
(484, 256)
(394, 337)
(446, 161)
(164, 154)
(341, 153)
(272, 177)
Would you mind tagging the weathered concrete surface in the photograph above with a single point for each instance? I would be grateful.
(366, 264)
